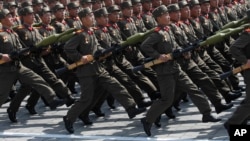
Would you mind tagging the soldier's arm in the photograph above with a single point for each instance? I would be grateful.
(237, 47)
(71, 46)
(148, 44)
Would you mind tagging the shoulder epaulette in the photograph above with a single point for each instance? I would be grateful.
(18, 27)
(247, 30)
(79, 31)
(157, 29)
(95, 28)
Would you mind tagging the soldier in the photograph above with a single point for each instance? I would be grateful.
(137, 10)
(132, 53)
(215, 69)
(104, 39)
(230, 10)
(73, 20)
(240, 50)
(85, 4)
(92, 74)
(148, 20)
(143, 82)
(30, 36)
(187, 63)
(169, 74)
(12, 7)
(37, 7)
(60, 26)
(108, 3)
(96, 4)
(156, 3)
(13, 69)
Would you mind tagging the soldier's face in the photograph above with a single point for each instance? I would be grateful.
(97, 5)
(29, 18)
(46, 18)
(7, 21)
(137, 8)
(205, 7)
(73, 12)
(166, 2)
(175, 16)
(196, 11)
(127, 12)
(156, 3)
(185, 12)
(147, 6)
(164, 19)
(88, 20)
(103, 21)
(114, 16)
(60, 14)
(214, 3)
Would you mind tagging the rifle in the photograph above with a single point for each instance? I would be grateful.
(175, 54)
(91, 58)
(234, 71)
(214, 39)
(132, 40)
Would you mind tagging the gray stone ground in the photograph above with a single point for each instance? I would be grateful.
(48, 125)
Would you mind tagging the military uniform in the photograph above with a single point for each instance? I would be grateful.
(29, 36)
(60, 26)
(92, 75)
(137, 17)
(188, 64)
(73, 21)
(142, 81)
(132, 53)
(14, 70)
(147, 17)
(241, 51)
(169, 74)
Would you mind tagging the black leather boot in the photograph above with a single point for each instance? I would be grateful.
(12, 115)
(31, 109)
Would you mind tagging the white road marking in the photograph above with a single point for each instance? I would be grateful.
(43, 135)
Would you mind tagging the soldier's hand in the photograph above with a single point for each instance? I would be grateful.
(164, 57)
(84, 59)
(6, 58)
(187, 55)
(248, 63)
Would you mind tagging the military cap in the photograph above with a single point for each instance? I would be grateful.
(35, 2)
(125, 4)
(12, 3)
(72, 5)
(173, 7)
(26, 10)
(203, 1)
(135, 1)
(193, 3)
(44, 10)
(3, 13)
(113, 8)
(144, 1)
(160, 10)
(85, 1)
(183, 3)
(57, 7)
(84, 12)
(100, 12)
(26, 3)
(94, 1)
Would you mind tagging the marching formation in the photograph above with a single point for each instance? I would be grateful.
(119, 49)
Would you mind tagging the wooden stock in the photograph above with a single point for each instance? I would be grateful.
(240, 68)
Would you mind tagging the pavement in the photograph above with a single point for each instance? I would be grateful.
(48, 125)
